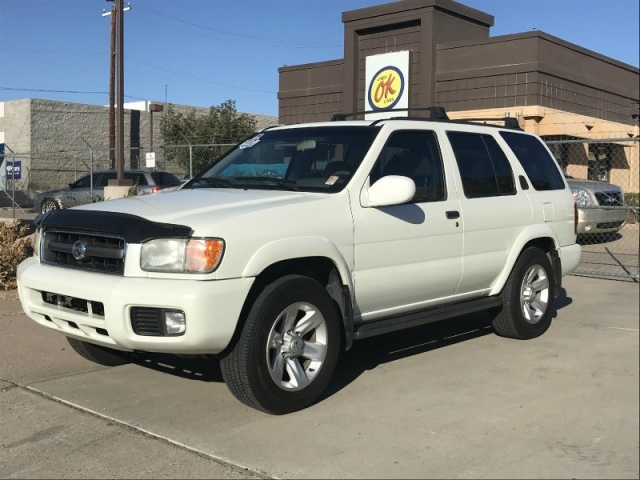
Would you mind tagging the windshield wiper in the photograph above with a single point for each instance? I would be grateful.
(216, 182)
(281, 182)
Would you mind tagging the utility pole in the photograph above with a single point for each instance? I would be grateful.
(117, 23)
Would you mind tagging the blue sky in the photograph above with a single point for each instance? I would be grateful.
(203, 52)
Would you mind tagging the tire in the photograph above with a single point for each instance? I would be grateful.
(288, 349)
(49, 204)
(527, 297)
(96, 354)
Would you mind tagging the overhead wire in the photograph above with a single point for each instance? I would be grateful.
(239, 35)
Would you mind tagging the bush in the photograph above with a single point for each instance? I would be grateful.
(632, 199)
(15, 246)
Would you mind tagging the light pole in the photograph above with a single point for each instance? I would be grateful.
(112, 76)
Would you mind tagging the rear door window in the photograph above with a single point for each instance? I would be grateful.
(484, 168)
(165, 179)
(138, 178)
(103, 181)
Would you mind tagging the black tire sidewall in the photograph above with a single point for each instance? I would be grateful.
(260, 320)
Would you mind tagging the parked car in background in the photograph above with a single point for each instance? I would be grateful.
(80, 193)
(601, 207)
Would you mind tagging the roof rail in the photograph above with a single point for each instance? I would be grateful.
(509, 122)
(436, 113)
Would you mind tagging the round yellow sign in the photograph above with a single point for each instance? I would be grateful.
(386, 88)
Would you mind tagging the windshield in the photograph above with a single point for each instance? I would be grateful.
(312, 159)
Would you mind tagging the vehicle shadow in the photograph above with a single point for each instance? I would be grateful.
(201, 368)
(370, 353)
(365, 354)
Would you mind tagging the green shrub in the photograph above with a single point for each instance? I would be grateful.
(14, 247)
(632, 199)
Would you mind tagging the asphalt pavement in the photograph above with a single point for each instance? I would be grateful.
(447, 400)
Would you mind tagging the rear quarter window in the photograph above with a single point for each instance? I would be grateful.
(540, 166)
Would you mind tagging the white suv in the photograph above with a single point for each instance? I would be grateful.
(305, 238)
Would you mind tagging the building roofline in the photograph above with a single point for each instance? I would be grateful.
(476, 16)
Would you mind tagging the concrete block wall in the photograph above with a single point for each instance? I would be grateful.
(49, 138)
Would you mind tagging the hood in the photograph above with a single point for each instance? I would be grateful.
(592, 185)
(199, 205)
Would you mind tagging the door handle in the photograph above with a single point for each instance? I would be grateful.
(453, 214)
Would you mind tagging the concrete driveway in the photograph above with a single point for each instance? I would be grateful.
(449, 400)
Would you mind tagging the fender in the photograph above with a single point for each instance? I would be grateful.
(301, 247)
(532, 232)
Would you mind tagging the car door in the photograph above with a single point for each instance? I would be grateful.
(78, 192)
(408, 256)
(494, 208)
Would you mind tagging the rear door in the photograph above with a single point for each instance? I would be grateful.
(494, 208)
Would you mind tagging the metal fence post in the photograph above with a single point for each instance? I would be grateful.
(91, 170)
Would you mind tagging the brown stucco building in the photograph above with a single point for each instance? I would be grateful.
(556, 89)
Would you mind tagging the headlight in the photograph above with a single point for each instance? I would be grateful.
(36, 242)
(582, 198)
(195, 255)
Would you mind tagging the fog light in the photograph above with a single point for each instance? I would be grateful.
(174, 322)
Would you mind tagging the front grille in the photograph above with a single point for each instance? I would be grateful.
(609, 199)
(86, 251)
(610, 224)
(147, 321)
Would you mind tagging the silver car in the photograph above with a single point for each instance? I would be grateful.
(80, 193)
(601, 207)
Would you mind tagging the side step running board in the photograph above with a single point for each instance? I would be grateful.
(414, 319)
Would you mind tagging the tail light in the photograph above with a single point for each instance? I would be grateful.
(156, 189)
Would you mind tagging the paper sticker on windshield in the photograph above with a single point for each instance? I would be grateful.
(332, 179)
(251, 142)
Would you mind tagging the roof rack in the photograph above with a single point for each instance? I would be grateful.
(436, 114)
(509, 122)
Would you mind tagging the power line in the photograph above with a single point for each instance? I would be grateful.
(50, 52)
(45, 90)
(201, 79)
(238, 35)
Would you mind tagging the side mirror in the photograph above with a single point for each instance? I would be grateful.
(390, 190)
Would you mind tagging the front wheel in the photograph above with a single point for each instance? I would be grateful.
(288, 348)
(527, 297)
(48, 205)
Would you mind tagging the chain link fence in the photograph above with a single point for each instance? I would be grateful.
(603, 175)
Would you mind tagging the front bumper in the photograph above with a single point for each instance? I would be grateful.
(601, 220)
(212, 308)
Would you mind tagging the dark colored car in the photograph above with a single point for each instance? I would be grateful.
(80, 193)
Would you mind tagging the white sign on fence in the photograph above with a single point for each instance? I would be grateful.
(150, 159)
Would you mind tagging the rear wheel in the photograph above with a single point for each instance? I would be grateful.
(528, 297)
(97, 354)
(288, 348)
